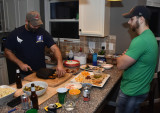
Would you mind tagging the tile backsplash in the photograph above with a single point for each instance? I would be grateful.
(75, 45)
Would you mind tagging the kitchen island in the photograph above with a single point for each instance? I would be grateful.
(97, 96)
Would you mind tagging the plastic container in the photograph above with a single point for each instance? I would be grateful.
(8, 97)
(81, 57)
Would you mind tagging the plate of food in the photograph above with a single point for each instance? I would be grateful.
(73, 85)
(90, 77)
(91, 68)
(107, 66)
(74, 71)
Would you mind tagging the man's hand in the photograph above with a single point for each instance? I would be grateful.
(25, 67)
(60, 71)
(10, 55)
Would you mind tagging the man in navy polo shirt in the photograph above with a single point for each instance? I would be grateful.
(25, 45)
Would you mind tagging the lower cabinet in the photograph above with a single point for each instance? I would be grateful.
(3, 72)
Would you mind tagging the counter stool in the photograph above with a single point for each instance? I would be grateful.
(151, 96)
(158, 78)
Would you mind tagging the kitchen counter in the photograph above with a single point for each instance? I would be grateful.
(97, 96)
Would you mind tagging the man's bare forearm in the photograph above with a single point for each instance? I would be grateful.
(57, 54)
(12, 57)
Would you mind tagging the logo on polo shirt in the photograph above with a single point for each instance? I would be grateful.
(39, 39)
(19, 40)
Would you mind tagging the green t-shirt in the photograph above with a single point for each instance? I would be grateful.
(136, 79)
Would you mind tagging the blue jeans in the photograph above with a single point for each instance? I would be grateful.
(129, 104)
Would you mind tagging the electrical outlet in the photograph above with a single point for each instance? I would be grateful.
(103, 44)
(91, 45)
(110, 46)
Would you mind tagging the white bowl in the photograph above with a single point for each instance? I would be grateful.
(107, 66)
(8, 97)
(73, 85)
(36, 83)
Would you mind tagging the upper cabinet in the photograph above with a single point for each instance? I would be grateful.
(61, 18)
(15, 12)
(154, 3)
(9, 15)
(94, 18)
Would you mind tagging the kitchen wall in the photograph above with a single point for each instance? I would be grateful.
(83, 43)
(118, 24)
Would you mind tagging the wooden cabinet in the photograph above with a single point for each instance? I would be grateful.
(94, 18)
(3, 72)
(24, 6)
(9, 15)
(15, 12)
(154, 3)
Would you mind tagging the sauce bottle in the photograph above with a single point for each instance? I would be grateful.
(18, 79)
(34, 97)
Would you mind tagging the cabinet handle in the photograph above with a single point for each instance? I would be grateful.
(80, 30)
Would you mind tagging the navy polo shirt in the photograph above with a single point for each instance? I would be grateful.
(30, 47)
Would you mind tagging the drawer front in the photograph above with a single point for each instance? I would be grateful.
(1, 61)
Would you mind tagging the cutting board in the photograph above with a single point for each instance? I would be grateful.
(51, 82)
(48, 94)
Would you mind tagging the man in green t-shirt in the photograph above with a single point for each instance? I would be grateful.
(138, 62)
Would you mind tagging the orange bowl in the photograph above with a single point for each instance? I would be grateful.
(74, 93)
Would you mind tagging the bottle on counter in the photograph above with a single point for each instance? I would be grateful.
(80, 50)
(94, 59)
(34, 97)
(18, 79)
(101, 56)
(71, 56)
(66, 55)
(102, 51)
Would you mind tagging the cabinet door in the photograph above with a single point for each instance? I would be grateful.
(24, 6)
(3, 72)
(154, 3)
(15, 12)
(9, 14)
(93, 18)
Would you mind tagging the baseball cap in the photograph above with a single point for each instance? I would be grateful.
(138, 11)
(34, 18)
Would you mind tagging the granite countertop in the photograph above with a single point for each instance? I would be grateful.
(96, 97)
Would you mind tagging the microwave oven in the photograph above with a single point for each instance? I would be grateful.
(64, 19)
